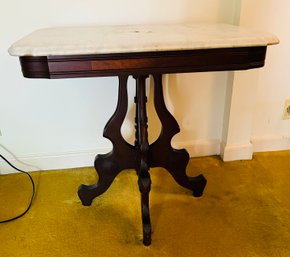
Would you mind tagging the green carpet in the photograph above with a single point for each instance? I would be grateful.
(245, 212)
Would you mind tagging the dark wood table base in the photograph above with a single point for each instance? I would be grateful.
(141, 156)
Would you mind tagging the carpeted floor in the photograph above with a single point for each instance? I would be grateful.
(245, 212)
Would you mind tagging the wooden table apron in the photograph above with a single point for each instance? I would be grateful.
(141, 156)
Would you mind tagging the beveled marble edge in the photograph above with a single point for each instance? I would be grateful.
(137, 38)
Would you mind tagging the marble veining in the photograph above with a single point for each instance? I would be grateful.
(137, 38)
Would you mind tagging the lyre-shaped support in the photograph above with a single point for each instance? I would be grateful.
(141, 156)
(161, 152)
(122, 156)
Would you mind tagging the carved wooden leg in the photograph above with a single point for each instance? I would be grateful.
(163, 155)
(144, 183)
(123, 155)
(142, 147)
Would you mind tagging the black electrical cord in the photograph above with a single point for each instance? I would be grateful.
(33, 191)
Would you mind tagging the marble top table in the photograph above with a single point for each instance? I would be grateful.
(128, 39)
(140, 51)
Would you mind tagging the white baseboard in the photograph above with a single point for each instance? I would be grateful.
(199, 148)
(236, 152)
(258, 144)
(76, 159)
(196, 148)
(271, 143)
(52, 161)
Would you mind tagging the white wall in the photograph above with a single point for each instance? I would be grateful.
(270, 131)
(52, 124)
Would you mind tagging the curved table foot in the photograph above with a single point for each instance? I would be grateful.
(198, 185)
(144, 183)
(177, 168)
(107, 170)
(163, 155)
(175, 162)
(108, 166)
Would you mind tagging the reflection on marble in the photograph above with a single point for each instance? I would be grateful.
(138, 38)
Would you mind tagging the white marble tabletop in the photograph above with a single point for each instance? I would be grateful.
(137, 38)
